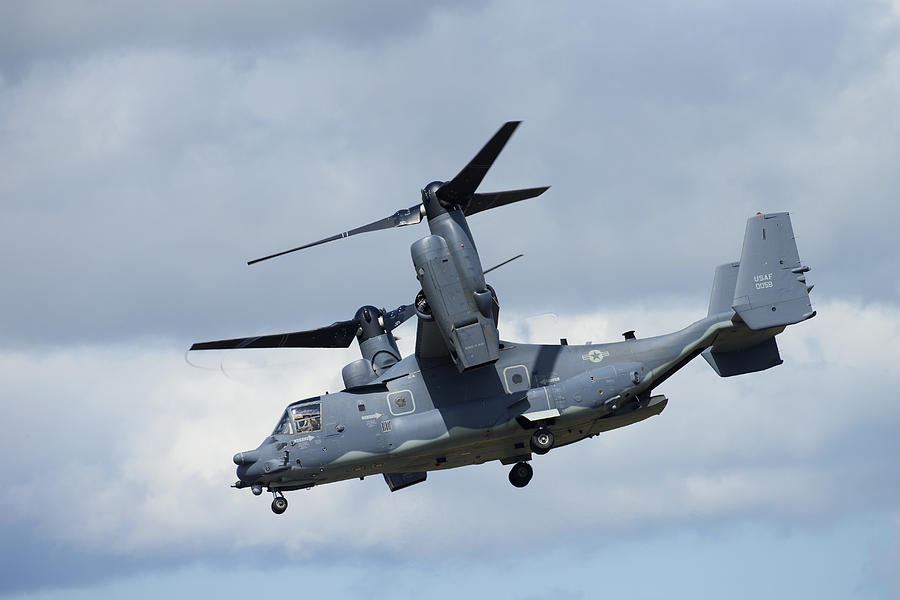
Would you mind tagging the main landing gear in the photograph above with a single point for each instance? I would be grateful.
(541, 441)
(520, 474)
(279, 503)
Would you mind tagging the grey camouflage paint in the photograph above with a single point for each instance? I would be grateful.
(423, 414)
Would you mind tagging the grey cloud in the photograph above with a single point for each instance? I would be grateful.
(57, 30)
(145, 157)
(137, 182)
(146, 153)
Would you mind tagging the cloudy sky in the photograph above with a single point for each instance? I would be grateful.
(147, 151)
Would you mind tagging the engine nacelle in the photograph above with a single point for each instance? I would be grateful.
(378, 348)
(358, 373)
(469, 331)
(381, 351)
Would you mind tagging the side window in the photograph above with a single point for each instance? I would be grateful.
(516, 379)
(401, 402)
(307, 417)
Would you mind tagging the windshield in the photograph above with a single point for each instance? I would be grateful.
(284, 425)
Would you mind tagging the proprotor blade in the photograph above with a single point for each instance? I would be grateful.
(336, 335)
(393, 319)
(505, 262)
(459, 189)
(480, 202)
(406, 216)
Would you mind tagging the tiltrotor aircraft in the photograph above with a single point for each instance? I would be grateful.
(466, 397)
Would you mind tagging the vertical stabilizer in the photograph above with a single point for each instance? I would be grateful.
(771, 288)
(722, 297)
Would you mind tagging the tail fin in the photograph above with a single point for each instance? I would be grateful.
(771, 288)
(767, 290)
(722, 297)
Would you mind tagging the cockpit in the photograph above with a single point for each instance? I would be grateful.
(304, 416)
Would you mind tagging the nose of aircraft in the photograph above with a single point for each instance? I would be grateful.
(246, 458)
(250, 465)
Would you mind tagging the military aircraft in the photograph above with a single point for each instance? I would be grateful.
(467, 397)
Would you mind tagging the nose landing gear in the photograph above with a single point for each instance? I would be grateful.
(520, 474)
(279, 503)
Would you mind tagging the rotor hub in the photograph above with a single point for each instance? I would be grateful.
(369, 326)
(430, 190)
(434, 204)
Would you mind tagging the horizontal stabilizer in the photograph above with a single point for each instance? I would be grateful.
(760, 357)
(771, 289)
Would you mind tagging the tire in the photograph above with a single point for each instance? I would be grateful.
(541, 441)
(520, 474)
(279, 505)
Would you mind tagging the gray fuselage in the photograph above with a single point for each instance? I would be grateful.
(423, 415)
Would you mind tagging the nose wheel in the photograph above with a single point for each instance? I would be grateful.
(520, 474)
(279, 503)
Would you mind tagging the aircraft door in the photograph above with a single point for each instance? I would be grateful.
(374, 423)
(309, 439)
(332, 443)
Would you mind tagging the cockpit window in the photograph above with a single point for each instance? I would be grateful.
(307, 417)
(284, 425)
(301, 417)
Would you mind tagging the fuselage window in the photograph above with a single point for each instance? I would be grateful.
(307, 417)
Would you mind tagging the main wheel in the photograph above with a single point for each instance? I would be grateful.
(541, 441)
(279, 505)
(520, 474)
